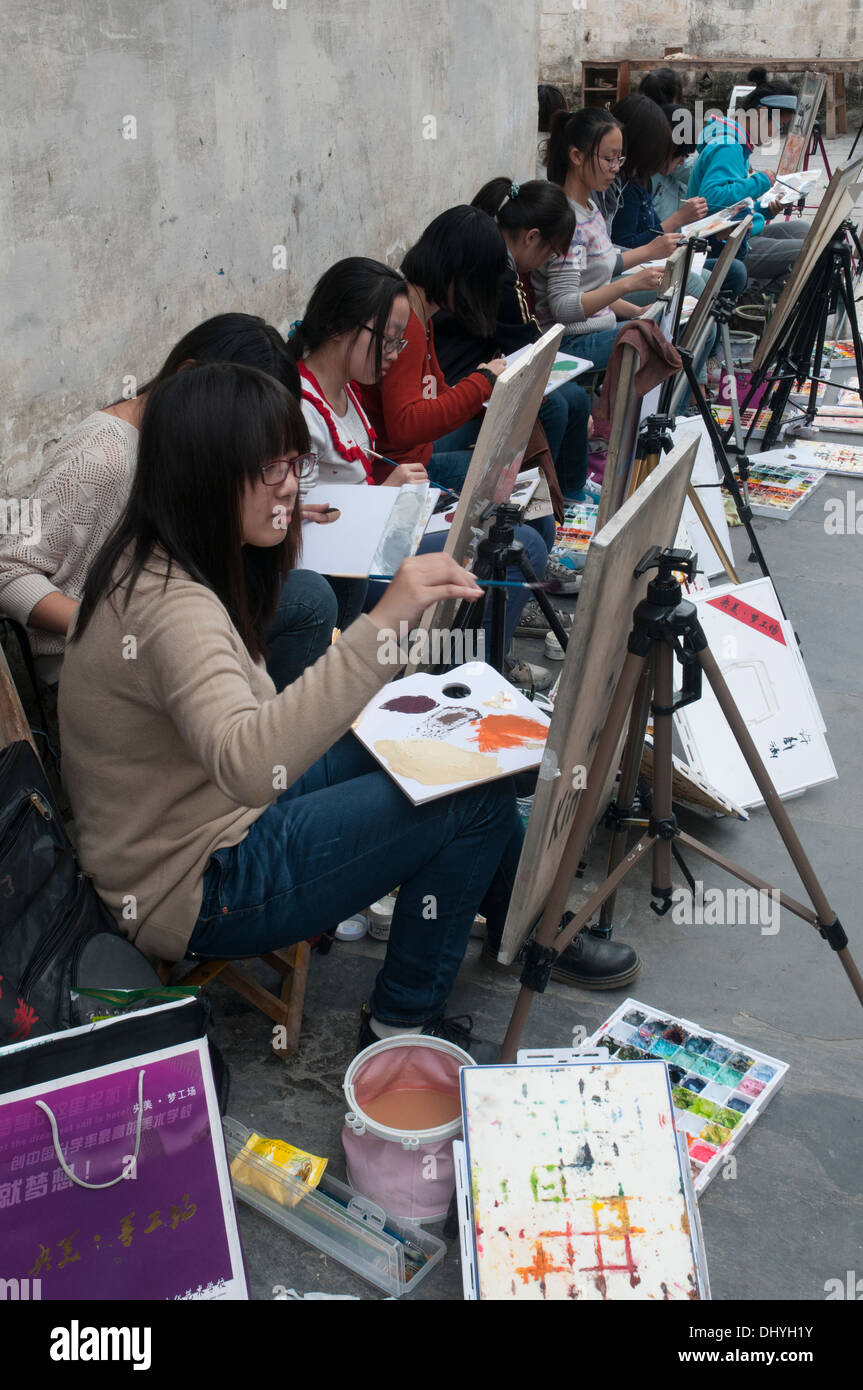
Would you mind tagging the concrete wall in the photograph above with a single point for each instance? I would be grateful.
(256, 123)
(757, 30)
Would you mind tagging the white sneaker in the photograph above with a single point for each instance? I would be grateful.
(552, 648)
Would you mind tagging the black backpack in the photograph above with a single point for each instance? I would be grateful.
(56, 935)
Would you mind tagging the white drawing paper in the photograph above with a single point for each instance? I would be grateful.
(368, 530)
(705, 476)
(754, 652)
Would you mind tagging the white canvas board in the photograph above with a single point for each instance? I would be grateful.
(496, 459)
(705, 472)
(529, 491)
(578, 1187)
(763, 596)
(595, 656)
(761, 669)
(369, 531)
(565, 367)
(436, 735)
(738, 92)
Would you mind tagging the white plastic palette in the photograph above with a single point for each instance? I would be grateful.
(436, 735)
(719, 1087)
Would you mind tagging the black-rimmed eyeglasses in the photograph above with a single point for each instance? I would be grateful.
(393, 345)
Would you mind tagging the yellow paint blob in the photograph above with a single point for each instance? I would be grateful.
(435, 764)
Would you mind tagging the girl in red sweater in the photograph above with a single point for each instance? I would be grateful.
(458, 263)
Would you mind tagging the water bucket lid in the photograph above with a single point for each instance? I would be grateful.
(432, 1046)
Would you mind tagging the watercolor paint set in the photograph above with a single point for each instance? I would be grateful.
(573, 1185)
(436, 735)
(578, 525)
(723, 417)
(780, 482)
(719, 1087)
(840, 422)
(845, 398)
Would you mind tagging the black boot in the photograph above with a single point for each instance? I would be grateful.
(589, 961)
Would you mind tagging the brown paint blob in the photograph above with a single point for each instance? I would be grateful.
(411, 704)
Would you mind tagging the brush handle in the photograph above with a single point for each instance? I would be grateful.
(481, 583)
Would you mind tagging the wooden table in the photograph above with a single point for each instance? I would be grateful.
(834, 69)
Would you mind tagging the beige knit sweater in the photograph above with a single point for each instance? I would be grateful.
(81, 491)
(173, 739)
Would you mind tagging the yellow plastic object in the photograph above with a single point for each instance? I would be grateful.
(289, 1162)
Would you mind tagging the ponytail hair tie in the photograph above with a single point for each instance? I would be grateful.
(294, 328)
(513, 193)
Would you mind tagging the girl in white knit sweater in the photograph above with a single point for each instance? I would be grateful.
(84, 486)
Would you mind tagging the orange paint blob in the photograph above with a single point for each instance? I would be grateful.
(508, 731)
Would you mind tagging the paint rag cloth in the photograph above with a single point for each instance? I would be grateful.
(538, 455)
(658, 359)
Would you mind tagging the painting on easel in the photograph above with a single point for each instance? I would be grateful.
(800, 130)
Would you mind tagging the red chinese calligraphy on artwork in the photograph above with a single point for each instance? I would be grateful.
(750, 617)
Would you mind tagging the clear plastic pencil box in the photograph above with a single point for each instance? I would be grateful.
(393, 1254)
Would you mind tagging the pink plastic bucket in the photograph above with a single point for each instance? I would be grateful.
(409, 1172)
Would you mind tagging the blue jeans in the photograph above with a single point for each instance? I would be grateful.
(302, 628)
(351, 595)
(342, 836)
(448, 467)
(563, 415)
(594, 346)
(735, 280)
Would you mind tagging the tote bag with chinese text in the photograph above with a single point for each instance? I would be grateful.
(114, 1182)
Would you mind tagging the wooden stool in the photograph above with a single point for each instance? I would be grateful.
(284, 1008)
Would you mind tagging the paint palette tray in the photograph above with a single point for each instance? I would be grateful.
(436, 735)
(719, 1087)
(573, 1185)
(393, 1254)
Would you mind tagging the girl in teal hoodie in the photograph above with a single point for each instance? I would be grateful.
(721, 176)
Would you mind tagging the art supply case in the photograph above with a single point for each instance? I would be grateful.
(336, 1220)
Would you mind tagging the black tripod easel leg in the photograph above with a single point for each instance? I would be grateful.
(829, 925)
(744, 510)
(803, 335)
(496, 554)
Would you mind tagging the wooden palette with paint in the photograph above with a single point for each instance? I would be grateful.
(719, 1087)
(436, 735)
(578, 1185)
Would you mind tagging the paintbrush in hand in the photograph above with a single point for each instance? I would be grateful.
(548, 586)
